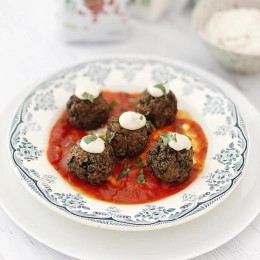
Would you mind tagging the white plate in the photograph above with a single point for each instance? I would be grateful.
(222, 123)
(180, 242)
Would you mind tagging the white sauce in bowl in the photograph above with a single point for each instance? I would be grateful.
(235, 29)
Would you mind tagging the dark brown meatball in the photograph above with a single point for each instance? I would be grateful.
(157, 109)
(126, 143)
(168, 164)
(92, 167)
(85, 115)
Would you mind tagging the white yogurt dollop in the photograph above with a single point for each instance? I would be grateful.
(180, 142)
(235, 29)
(132, 121)
(156, 92)
(96, 146)
(92, 90)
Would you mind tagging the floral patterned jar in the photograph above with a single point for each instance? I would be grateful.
(92, 20)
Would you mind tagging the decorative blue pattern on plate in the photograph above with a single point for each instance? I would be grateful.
(219, 117)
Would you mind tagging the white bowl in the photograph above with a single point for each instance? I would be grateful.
(241, 63)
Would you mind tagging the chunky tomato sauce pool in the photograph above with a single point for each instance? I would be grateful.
(138, 185)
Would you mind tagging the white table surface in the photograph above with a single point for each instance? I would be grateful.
(29, 50)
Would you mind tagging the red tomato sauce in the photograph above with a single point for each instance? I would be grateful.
(63, 136)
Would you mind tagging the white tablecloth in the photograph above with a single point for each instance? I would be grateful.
(29, 50)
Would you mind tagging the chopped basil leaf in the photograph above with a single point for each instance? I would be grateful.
(174, 138)
(166, 138)
(133, 100)
(113, 103)
(163, 89)
(124, 172)
(88, 96)
(149, 125)
(67, 144)
(141, 177)
(124, 160)
(140, 162)
(141, 117)
(152, 126)
(102, 137)
(111, 136)
(90, 138)
(179, 127)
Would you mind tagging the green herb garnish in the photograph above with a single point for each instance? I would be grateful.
(124, 160)
(179, 127)
(90, 138)
(140, 162)
(124, 172)
(101, 137)
(141, 177)
(67, 144)
(113, 103)
(88, 96)
(149, 125)
(141, 117)
(168, 137)
(163, 89)
(133, 100)
(111, 136)
(174, 138)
